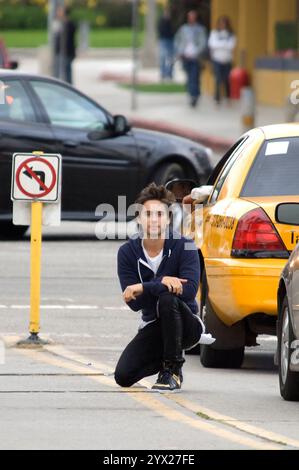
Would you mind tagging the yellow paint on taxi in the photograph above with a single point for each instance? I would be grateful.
(239, 287)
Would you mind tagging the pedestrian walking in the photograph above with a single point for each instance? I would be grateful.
(64, 44)
(190, 45)
(166, 45)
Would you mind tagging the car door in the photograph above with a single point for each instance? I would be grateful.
(94, 171)
(21, 130)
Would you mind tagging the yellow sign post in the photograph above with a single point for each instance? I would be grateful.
(36, 178)
(35, 271)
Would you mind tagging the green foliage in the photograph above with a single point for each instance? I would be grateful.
(26, 15)
(22, 17)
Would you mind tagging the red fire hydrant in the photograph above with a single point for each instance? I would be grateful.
(238, 79)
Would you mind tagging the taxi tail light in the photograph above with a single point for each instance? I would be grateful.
(257, 237)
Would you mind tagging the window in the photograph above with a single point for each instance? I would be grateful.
(15, 104)
(234, 154)
(67, 108)
(275, 170)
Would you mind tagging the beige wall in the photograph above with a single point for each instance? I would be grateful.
(254, 23)
(279, 10)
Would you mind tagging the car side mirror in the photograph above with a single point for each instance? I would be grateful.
(287, 213)
(120, 125)
(180, 188)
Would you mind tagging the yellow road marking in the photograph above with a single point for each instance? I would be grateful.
(147, 399)
(191, 406)
(230, 421)
(235, 423)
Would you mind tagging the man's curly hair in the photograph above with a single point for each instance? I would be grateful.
(159, 193)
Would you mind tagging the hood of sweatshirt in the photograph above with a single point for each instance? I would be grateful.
(144, 270)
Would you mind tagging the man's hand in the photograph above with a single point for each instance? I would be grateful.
(174, 284)
(188, 200)
(131, 292)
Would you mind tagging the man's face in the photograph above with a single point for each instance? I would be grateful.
(154, 219)
(192, 17)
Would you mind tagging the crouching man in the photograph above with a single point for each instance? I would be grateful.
(159, 274)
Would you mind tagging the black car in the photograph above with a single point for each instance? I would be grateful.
(102, 156)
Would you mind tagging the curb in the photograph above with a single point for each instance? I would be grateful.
(215, 143)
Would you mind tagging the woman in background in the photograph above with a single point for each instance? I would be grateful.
(222, 42)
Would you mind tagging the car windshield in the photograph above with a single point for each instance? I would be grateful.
(275, 170)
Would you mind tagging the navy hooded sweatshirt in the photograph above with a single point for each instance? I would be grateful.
(180, 259)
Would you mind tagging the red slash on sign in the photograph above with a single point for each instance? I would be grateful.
(37, 175)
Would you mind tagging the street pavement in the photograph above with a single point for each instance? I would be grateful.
(64, 395)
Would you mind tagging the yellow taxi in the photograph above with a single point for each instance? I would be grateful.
(245, 232)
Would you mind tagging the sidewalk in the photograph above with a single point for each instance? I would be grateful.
(216, 126)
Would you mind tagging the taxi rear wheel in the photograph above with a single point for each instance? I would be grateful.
(288, 380)
(209, 356)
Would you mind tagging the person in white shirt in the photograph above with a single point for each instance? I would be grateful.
(222, 42)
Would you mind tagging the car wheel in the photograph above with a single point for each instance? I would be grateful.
(8, 231)
(209, 356)
(168, 172)
(288, 380)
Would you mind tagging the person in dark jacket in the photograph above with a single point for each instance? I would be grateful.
(64, 44)
(166, 45)
(159, 274)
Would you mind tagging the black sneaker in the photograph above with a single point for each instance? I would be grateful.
(167, 381)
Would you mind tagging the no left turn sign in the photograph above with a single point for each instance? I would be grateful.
(36, 177)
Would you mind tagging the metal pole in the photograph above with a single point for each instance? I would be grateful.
(36, 249)
(135, 4)
(35, 272)
(150, 47)
(53, 5)
(51, 17)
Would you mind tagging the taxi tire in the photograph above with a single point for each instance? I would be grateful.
(220, 358)
(289, 389)
(217, 358)
(8, 231)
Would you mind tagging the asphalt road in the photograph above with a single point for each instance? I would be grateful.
(64, 396)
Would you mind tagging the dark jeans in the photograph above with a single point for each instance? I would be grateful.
(192, 69)
(176, 329)
(69, 70)
(221, 73)
(63, 68)
(166, 58)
